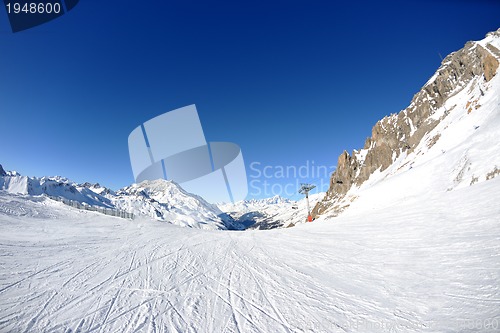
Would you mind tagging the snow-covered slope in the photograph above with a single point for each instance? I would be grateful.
(160, 200)
(461, 151)
(448, 138)
(420, 264)
(270, 213)
(167, 201)
(14, 183)
(417, 251)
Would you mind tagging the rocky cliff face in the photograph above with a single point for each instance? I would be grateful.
(472, 66)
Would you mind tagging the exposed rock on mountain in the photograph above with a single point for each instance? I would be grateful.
(467, 71)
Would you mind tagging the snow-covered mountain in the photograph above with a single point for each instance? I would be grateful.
(417, 250)
(270, 213)
(13, 182)
(452, 124)
(160, 200)
(167, 201)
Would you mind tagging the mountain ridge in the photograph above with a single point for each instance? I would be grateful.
(160, 200)
(270, 213)
(468, 70)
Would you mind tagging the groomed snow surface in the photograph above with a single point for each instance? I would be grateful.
(417, 265)
(417, 251)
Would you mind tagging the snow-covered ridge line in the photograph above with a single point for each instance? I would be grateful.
(460, 98)
(160, 200)
(270, 213)
(57, 186)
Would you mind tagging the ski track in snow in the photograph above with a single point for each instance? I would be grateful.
(424, 270)
(418, 251)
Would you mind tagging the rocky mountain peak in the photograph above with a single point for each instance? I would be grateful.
(472, 66)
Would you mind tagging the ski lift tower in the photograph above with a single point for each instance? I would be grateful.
(304, 189)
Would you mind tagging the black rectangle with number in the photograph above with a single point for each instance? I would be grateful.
(27, 14)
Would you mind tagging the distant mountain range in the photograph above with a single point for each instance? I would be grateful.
(270, 213)
(160, 199)
(450, 128)
(164, 200)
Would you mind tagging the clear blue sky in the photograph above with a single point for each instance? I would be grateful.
(289, 81)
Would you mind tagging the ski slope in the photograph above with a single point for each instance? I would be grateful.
(418, 250)
(423, 265)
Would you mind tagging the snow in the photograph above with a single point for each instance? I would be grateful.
(271, 212)
(417, 251)
(490, 39)
(166, 201)
(57, 186)
(467, 150)
(159, 200)
(361, 155)
(16, 184)
(432, 78)
(399, 262)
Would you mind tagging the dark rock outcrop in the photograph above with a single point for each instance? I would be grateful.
(403, 132)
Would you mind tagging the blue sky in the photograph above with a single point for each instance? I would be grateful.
(293, 83)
